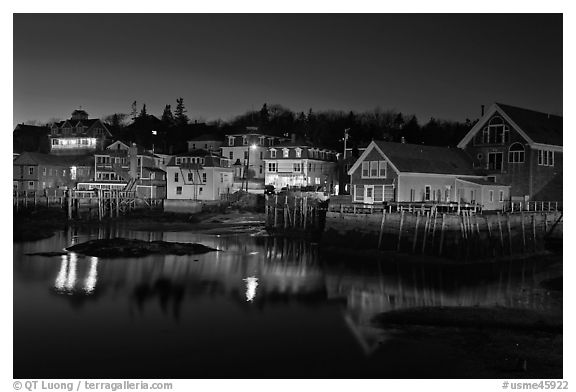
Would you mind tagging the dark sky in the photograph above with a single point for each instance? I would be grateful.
(442, 66)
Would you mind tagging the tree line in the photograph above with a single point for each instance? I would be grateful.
(325, 128)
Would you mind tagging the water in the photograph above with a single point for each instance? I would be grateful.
(259, 308)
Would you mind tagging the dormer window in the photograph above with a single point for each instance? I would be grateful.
(230, 141)
(244, 140)
(272, 153)
(261, 140)
(285, 152)
(298, 153)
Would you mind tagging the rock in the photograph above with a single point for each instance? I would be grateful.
(122, 247)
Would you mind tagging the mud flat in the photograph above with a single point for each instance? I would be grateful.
(122, 247)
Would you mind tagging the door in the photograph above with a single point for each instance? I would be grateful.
(369, 194)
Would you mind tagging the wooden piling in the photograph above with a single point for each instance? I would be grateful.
(523, 232)
(442, 228)
(534, 232)
(400, 230)
(382, 223)
(501, 236)
(426, 227)
(416, 233)
(509, 233)
(69, 200)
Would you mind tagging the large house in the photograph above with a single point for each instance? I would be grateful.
(246, 150)
(78, 135)
(401, 172)
(205, 142)
(198, 175)
(519, 147)
(129, 168)
(294, 164)
(34, 171)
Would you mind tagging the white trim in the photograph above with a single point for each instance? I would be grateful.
(480, 185)
(480, 124)
(440, 175)
(365, 154)
(542, 146)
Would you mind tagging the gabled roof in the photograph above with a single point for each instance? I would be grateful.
(417, 158)
(540, 127)
(537, 128)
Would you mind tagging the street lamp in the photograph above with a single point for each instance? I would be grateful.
(252, 147)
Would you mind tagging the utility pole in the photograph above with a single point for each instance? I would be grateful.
(345, 139)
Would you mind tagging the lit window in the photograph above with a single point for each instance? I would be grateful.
(298, 153)
(285, 153)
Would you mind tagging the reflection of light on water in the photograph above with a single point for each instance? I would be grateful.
(71, 280)
(90, 281)
(251, 284)
(61, 278)
(253, 253)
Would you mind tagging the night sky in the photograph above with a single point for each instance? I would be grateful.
(442, 66)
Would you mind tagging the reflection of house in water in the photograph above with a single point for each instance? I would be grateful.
(413, 287)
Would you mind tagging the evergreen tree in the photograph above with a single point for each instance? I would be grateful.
(167, 116)
(143, 113)
(264, 116)
(134, 111)
(180, 113)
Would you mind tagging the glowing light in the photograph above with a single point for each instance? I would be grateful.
(92, 278)
(61, 277)
(253, 146)
(251, 284)
(71, 278)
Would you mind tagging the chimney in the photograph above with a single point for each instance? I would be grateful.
(482, 110)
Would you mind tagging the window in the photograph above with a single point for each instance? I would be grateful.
(272, 153)
(516, 153)
(231, 155)
(365, 169)
(317, 180)
(193, 146)
(245, 154)
(63, 172)
(178, 161)
(297, 168)
(272, 167)
(191, 177)
(374, 169)
(298, 153)
(501, 196)
(30, 170)
(260, 169)
(310, 167)
(495, 160)
(204, 178)
(244, 141)
(43, 171)
(472, 194)
(261, 140)
(54, 142)
(285, 152)
(412, 194)
(491, 196)
(545, 158)
(382, 169)
(178, 189)
(261, 155)
(176, 177)
(230, 140)
(497, 132)
(43, 185)
(30, 184)
(427, 192)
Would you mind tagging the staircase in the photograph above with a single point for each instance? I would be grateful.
(131, 184)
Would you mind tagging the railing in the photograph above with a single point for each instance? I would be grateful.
(357, 208)
(517, 206)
